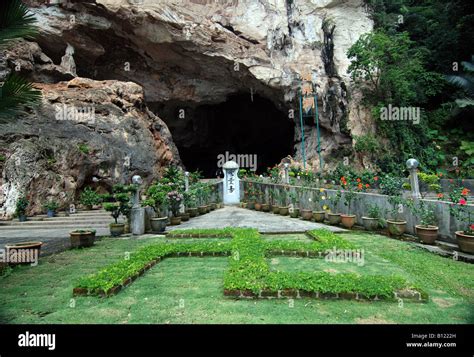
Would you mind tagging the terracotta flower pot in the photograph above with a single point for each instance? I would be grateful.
(427, 234)
(396, 228)
(158, 225)
(265, 207)
(175, 221)
(295, 213)
(81, 239)
(193, 212)
(334, 218)
(117, 229)
(348, 221)
(258, 206)
(307, 214)
(202, 209)
(284, 211)
(370, 224)
(319, 216)
(276, 209)
(465, 242)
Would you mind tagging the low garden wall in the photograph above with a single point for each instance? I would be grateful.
(447, 223)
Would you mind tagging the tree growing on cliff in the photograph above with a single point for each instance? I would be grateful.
(15, 22)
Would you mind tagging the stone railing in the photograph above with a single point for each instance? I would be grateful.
(447, 223)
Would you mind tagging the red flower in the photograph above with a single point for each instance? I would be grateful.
(465, 192)
(367, 185)
(462, 202)
(472, 227)
(358, 180)
(440, 195)
(376, 178)
(359, 186)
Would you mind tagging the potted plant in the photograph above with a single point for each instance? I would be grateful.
(348, 220)
(51, 207)
(318, 213)
(294, 211)
(265, 204)
(80, 238)
(157, 199)
(21, 206)
(460, 210)
(121, 206)
(284, 209)
(374, 218)
(175, 199)
(258, 200)
(307, 213)
(274, 195)
(427, 230)
(392, 186)
(251, 192)
(89, 198)
(334, 218)
(190, 199)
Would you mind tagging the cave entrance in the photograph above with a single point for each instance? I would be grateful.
(252, 128)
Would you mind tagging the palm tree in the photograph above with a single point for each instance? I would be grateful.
(465, 82)
(15, 22)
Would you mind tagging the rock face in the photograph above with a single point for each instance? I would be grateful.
(202, 51)
(85, 133)
(193, 53)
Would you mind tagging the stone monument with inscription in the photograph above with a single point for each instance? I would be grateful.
(231, 183)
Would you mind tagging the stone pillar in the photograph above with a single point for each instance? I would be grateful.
(231, 183)
(186, 181)
(287, 176)
(412, 166)
(137, 215)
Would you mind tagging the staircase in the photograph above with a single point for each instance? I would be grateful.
(80, 220)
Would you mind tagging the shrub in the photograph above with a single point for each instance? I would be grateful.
(21, 206)
(89, 197)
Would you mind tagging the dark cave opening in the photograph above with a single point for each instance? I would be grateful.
(249, 126)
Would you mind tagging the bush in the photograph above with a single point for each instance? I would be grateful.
(89, 197)
(21, 206)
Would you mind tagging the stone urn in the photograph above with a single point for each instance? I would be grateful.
(370, 224)
(82, 238)
(284, 211)
(265, 207)
(184, 217)
(396, 228)
(334, 218)
(202, 209)
(319, 216)
(295, 213)
(465, 242)
(158, 224)
(251, 205)
(276, 209)
(117, 229)
(25, 252)
(175, 221)
(193, 212)
(427, 234)
(307, 214)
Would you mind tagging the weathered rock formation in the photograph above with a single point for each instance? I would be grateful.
(191, 56)
(85, 132)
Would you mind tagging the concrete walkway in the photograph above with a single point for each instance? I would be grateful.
(239, 217)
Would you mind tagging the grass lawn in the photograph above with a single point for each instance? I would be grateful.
(189, 289)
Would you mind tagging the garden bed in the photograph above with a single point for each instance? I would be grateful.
(249, 274)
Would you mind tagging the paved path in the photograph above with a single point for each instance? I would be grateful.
(239, 217)
(56, 239)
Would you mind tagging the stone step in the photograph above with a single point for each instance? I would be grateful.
(65, 226)
(58, 222)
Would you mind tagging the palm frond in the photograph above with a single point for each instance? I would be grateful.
(466, 102)
(468, 66)
(16, 92)
(15, 21)
(463, 82)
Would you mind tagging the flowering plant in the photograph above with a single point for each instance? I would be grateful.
(175, 199)
(458, 205)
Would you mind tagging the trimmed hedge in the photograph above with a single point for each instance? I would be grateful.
(249, 270)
